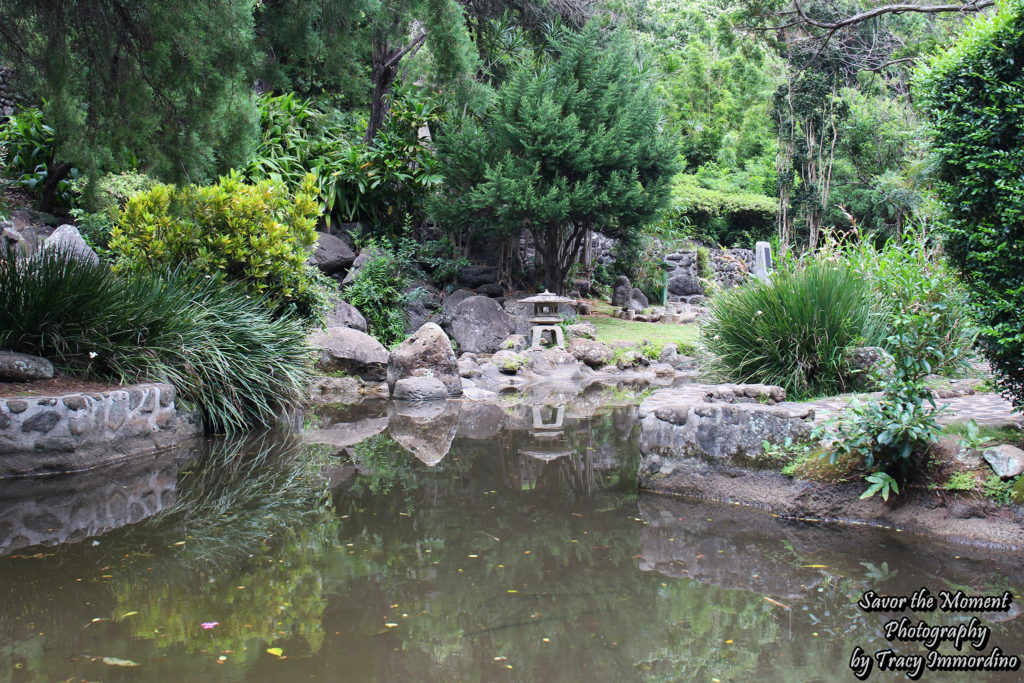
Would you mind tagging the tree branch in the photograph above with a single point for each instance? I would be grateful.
(833, 26)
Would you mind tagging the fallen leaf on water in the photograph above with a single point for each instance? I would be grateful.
(207, 625)
(391, 624)
(815, 566)
(276, 651)
(510, 590)
(129, 614)
(775, 602)
(114, 661)
(180, 543)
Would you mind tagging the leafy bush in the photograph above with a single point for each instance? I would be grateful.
(107, 197)
(892, 432)
(732, 218)
(31, 150)
(793, 330)
(380, 290)
(257, 234)
(384, 183)
(911, 278)
(973, 94)
(209, 338)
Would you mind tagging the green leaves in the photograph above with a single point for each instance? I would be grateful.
(881, 483)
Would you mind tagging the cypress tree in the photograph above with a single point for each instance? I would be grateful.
(572, 145)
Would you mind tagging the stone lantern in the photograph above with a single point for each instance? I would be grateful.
(546, 318)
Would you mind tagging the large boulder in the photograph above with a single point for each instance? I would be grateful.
(344, 350)
(344, 314)
(450, 303)
(67, 238)
(480, 325)
(592, 353)
(475, 276)
(684, 285)
(637, 298)
(420, 389)
(331, 255)
(427, 353)
(622, 292)
(21, 367)
(493, 290)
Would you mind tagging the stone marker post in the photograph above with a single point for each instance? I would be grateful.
(763, 266)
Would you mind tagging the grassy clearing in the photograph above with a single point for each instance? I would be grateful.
(611, 330)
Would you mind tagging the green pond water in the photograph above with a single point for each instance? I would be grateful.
(485, 543)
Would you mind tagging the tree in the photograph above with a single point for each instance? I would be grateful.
(973, 95)
(124, 80)
(569, 146)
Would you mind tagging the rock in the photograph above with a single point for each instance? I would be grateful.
(427, 353)
(344, 314)
(510, 362)
(630, 359)
(21, 367)
(331, 255)
(581, 330)
(719, 431)
(480, 325)
(593, 353)
(357, 264)
(451, 302)
(622, 292)
(492, 290)
(420, 389)
(67, 238)
(415, 315)
(480, 421)
(515, 342)
(638, 296)
(468, 368)
(424, 429)
(556, 364)
(1006, 461)
(868, 360)
(668, 351)
(475, 276)
(684, 285)
(342, 349)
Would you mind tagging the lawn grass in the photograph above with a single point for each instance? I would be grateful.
(616, 330)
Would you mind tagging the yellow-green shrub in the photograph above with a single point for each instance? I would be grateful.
(258, 234)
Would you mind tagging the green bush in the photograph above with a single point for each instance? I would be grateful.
(31, 152)
(973, 94)
(793, 330)
(256, 234)
(381, 289)
(106, 197)
(911, 278)
(218, 345)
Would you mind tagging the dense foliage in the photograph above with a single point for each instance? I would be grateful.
(209, 338)
(572, 145)
(973, 94)
(256, 234)
(794, 330)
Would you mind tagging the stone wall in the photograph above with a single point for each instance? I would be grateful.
(140, 417)
(730, 266)
(8, 95)
(54, 510)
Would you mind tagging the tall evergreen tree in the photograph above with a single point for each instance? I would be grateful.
(573, 145)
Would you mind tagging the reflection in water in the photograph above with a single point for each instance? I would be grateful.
(449, 545)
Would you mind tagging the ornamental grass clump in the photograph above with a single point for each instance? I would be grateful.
(793, 330)
(217, 344)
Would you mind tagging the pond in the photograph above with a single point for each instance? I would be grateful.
(512, 546)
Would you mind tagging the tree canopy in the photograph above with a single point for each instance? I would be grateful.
(571, 145)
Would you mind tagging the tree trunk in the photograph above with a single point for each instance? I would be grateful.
(56, 173)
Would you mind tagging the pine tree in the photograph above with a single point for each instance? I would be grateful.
(573, 145)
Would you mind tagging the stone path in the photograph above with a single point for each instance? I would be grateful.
(985, 409)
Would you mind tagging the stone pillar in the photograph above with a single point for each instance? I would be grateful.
(763, 265)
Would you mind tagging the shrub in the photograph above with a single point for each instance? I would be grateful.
(106, 197)
(892, 432)
(911, 278)
(31, 153)
(380, 290)
(256, 234)
(793, 330)
(218, 345)
(973, 94)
